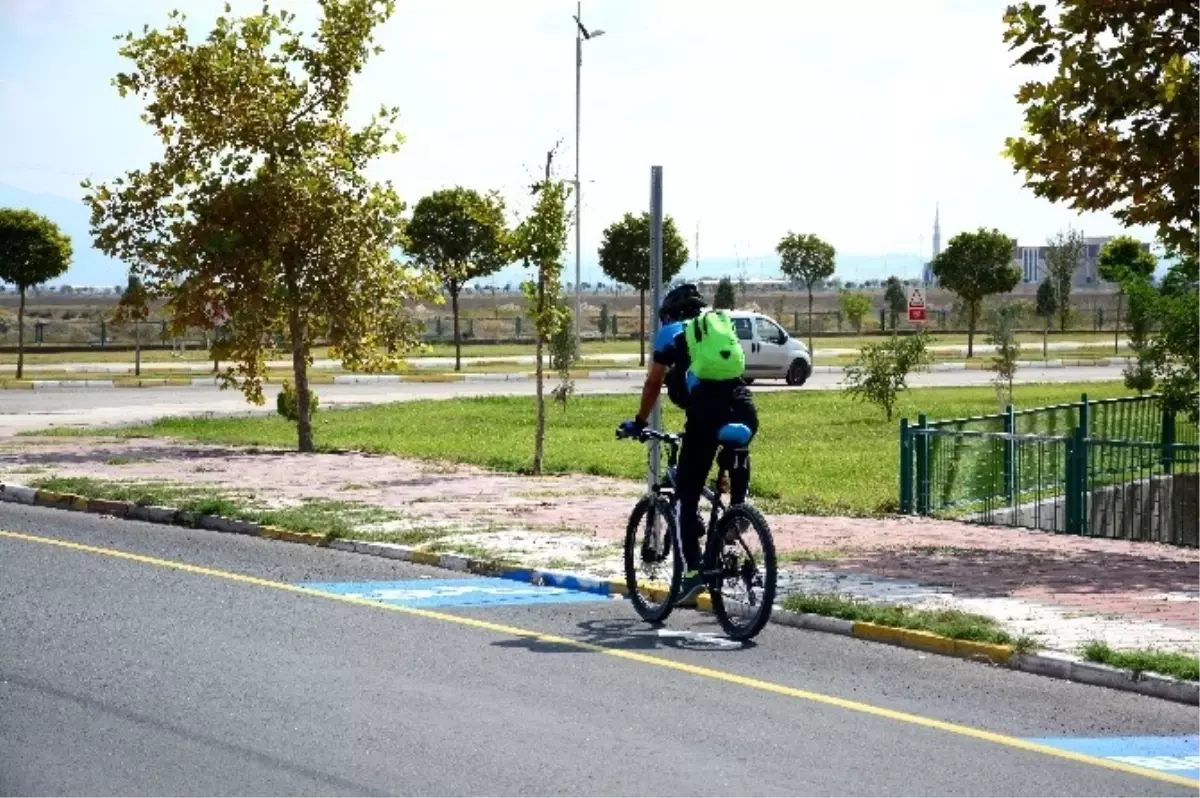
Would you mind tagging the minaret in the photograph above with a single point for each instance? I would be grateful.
(937, 231)
(937, 245)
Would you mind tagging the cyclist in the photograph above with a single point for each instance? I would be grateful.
(709, 404)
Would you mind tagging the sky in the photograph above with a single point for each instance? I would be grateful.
(850, 120)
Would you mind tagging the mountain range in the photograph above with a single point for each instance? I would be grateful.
(90, 267)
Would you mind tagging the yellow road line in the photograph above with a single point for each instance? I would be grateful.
(647, 659)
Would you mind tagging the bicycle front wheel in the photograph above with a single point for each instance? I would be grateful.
(746, 594)
(653, 565)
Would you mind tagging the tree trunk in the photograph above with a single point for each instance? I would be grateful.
(1064, 311)
(300, 371)
(21, 336)
(137, 349)
(972, 313)
(457, 343)
(1117, 331)
(642, 330)
(1046, 339)
(810, 325)
(539, 438)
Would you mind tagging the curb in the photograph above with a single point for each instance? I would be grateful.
(1051, 666)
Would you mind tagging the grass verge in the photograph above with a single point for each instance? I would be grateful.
(817, 452)
(1181, 666)
(332, 519)
(810, 555)
(954, 624)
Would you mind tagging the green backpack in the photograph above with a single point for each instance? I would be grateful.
(713, 347)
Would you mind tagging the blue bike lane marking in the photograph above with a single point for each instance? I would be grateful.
(1179, 756)
(430, 593)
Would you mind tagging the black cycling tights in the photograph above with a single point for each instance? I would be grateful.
(695, 460)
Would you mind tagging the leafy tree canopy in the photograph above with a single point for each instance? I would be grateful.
(258, 210)
(805, 257)
(1117, 126)
(32, 248)
(625, 250)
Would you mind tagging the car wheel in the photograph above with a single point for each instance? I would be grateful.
(798, 373)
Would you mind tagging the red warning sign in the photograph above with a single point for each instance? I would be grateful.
(916, 306)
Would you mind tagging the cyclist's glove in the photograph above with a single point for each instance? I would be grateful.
(631, 429)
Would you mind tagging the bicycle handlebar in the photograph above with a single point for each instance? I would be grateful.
(649, 434)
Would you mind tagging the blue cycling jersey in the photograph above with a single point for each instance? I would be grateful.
(670, 350)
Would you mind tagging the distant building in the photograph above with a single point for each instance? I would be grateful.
(1033, 262)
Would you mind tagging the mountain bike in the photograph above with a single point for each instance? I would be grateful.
(730, 562)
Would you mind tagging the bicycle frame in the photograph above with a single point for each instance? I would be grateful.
(666, 482)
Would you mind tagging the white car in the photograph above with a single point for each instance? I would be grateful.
(771, 354)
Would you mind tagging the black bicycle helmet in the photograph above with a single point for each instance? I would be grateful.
(681, 302)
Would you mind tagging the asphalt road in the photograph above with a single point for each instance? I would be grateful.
(24, 410)
(161, 661)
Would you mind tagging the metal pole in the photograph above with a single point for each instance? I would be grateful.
(578, 185)
(656, 251)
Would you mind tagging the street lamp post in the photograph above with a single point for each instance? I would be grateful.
(581, 33)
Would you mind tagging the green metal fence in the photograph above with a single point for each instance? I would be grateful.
(1134, 491)
(1120, 468)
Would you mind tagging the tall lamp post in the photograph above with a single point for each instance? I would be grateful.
(581, 33)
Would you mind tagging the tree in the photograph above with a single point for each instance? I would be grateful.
(562, 352)
(807, 259)
(1064, 252)
(855, 306)
(1115, 128)
(259, 208)
(1139, 374)
(1046, 307)
(881, 372)
(976, 265)
(1004, 337)
(539, 241)
(134, 308)
(1175, 351)
(896, 299)
(1122, 260)
(32, 251)
(726, 296)
(458, 235)
(625, 257)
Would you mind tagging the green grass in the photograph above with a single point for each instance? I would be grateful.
(810, 555)
(817, 452)
(315, 516)
(1181, 666)
(954, 624)
(982, 359)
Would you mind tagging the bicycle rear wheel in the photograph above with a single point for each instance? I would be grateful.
(653, 565)
(746, 594)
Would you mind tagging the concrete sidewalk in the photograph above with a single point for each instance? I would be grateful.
(1062, 591)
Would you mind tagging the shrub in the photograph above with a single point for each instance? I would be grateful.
(882, 369)
(286, 404)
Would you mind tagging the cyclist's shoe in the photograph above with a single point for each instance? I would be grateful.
(691, 587)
